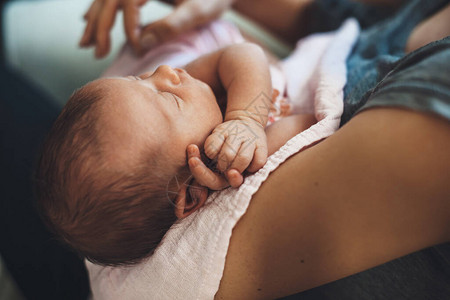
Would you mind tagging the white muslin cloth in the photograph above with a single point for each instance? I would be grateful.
(189, 262)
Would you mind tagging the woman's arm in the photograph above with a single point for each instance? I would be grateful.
(370, 193)
(286, 128)
(286, 18)
(289, 19)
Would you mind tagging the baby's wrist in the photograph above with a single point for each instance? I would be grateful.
(244, 115)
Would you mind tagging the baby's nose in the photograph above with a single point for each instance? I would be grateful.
(168, 73)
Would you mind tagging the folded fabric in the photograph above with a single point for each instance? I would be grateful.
(189, 262)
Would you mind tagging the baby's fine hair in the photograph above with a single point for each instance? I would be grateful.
(109, 218)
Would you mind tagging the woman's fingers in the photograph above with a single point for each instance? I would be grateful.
(100, 19)
(131, 22)
(167, 28)
(181, 19)
(157, 33)
(90, 17)
(105, 22)
(187, 15)
(88, 36)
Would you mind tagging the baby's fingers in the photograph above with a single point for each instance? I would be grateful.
(243, 157)
(229, 153)
(234, 178)
(259, 159)
(213, 144)
(201, 172)
(205, 176)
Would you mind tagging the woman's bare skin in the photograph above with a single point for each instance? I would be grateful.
(288, 19)
(345, 205)
(434, 28)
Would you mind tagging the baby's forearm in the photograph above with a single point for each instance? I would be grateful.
(244, 73)
(283, 130)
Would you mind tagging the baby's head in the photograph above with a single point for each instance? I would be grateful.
(109, 179)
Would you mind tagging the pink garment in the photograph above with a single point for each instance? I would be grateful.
(189, 262)
(178, 52)
(188, 47)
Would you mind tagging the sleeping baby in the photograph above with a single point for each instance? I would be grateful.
(114, 174)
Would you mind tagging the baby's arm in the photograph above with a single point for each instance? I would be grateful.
(242, 71)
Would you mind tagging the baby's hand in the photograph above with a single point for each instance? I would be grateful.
(207, 177)
(238, 144)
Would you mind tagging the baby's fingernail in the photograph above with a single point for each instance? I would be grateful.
(191, 150)
(193, 162)
(148, 41)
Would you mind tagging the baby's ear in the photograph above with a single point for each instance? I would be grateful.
(190, 198)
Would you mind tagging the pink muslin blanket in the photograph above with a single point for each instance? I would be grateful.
(189, 262)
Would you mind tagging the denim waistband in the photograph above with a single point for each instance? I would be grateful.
(379, 48)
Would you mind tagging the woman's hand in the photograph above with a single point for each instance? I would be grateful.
(188, 14)
(100, 18)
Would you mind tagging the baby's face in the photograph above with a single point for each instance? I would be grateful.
(166, 110)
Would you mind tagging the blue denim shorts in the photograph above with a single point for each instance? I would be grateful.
(380, 74)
